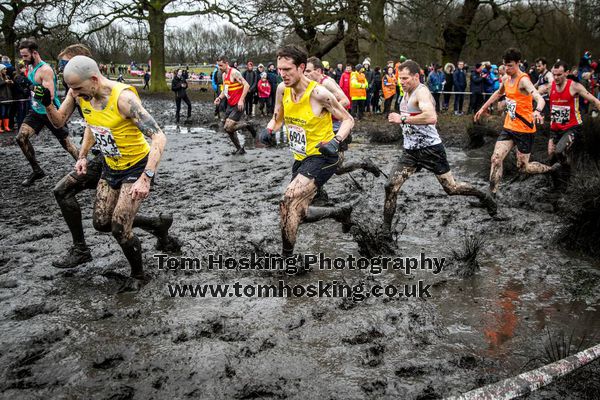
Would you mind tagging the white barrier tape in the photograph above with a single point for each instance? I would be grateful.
(530, 381)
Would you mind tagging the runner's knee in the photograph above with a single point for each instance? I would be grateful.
(496, 160)
(102, 223)
(118, 231)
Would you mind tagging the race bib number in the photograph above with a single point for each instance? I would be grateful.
(561, 114)
(105, 141)
(511, 108)
(226, 90)
(297, 139)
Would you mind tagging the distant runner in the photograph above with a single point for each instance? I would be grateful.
(519, 124)
(40, 74)
(235, 89)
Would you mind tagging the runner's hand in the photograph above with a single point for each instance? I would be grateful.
(330, 148)
(42, 94)
(395, 118)
(217, 101)
(478, 115)
(141, 188)
(240, 105)
(81, 166)
(266, 137)
(538, 117)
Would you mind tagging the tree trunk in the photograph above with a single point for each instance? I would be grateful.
(455, 33)
(156, 37)
(351, 40)
(9, 34)
(378, 32)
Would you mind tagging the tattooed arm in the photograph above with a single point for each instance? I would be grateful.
(277, 120)
(131, 107)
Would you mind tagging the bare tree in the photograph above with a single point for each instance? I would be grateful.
(155, 14)
(33, 18)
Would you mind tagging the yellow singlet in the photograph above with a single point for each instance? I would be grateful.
(122, 143)
(305, 129)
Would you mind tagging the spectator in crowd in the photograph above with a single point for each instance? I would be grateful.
(272, 78)
(338, 72)
(345, 83)
(376, 94)
(264, 93)
(146, 80)
(388, 87)
(251, 77)
(459, 80)
(6, 84)
(179, 86)
(449, 85)
(10, 69)
(358, 91)
(488, 81)
(435, 82)
(585, 64)
(369, 76)
(476, 89)
(495, 74)
(22, 91)
(216, 79)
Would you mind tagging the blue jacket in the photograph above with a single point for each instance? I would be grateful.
(435, 81)
(460, 80)
(214, 77)
(488, 83)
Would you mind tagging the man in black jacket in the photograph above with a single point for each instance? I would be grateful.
(179, 86)
(252, 78)
(459, 79)
(476, 89)
(272, 78)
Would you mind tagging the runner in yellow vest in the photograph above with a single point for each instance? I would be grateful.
(306, 109)
(117, 122)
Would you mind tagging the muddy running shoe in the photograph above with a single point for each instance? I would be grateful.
(344, 217)
(488, 201)
(239, 152)
(169, 244)
(34, 176)
(321, 197)
(371, 167)
(555, 169)
(75, 256)
(161, 231)
(252, 129)
(133, 284)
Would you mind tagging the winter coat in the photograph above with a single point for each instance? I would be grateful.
(252, 78)
(179, 85)
(5, 89)
(345, 83)
(22, 87)
(264, 89)
(388, 85)
(435, 81)
(476, 82)
(358, 86)
(459, 80)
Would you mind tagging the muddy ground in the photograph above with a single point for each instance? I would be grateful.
(66, 335)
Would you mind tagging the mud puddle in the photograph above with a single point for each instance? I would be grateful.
(67, 336)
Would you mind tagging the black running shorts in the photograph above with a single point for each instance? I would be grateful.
(37, 122)
(432, 158)
(523, 141)
(319, 168)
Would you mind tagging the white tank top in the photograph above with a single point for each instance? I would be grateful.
(417, 136)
